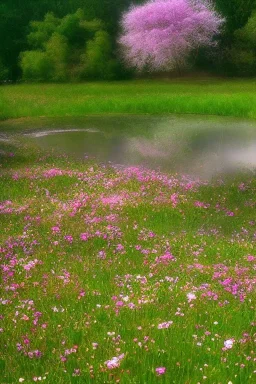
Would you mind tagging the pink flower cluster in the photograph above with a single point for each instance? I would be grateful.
(162, 33)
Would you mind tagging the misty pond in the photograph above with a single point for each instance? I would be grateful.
(199, 145)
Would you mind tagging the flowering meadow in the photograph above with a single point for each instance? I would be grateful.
(124, 275)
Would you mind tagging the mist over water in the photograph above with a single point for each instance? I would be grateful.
(200, 146)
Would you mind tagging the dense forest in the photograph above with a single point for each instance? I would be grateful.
(22, 24)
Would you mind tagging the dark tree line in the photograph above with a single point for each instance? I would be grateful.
(237, 45)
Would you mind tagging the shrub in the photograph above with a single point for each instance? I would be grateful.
(242, 54)
(36, 66)
(41, 31)
(71, 48)
(57, 51)
(97, 61)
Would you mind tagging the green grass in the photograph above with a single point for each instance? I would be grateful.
(209, 247)
(209, 96)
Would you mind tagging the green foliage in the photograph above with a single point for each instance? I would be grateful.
(242, 60)
(97, 62)
(72, 47)
(242, 54)
(36, 66)
(70, 26)
(57, 51)
(236, 12)
(247, 34)
(41, 31)
(235, 53)
(3, 72)
(16, 16)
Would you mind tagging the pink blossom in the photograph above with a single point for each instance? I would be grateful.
(53, 172)
(69, 239)
(84, 236)
(165, 325)
(165, 258)
(191, 296)
(56, 229)
(114, 362)
(161, 34)
(160, 371)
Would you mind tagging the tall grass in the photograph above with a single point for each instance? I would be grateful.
(215, 97)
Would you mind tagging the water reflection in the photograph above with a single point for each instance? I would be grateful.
(203, 146)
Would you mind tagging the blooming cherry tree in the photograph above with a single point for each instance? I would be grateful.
(161, 34)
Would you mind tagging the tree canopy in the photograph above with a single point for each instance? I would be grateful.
(68, 48)
(161, 34)
(17, 18)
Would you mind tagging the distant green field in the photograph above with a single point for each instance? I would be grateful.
(209, 96)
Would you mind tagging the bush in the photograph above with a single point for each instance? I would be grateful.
(97, 61)
(242, 54)
(57, 51)
(41, 31)
(36, 66)
(71, 48)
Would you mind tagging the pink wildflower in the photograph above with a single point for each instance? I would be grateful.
(114, 362)
(160, 371)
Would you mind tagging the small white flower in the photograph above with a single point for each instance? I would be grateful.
(21, 380)
(228, 343)
(191, 296)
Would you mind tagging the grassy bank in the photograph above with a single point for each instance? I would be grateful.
(123, 276)
(217, 97)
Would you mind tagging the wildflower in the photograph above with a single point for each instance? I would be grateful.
(21, 380)
(102, 255)
(165, 259)
(55, 229)
(228, 343)
(160, 371)
(191, 296)
(76, 372)
(174, 199)
(84, 236)
(114, 362)
(69, 239)
(165, 325)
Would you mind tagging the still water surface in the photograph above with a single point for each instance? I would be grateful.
(199, 145)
